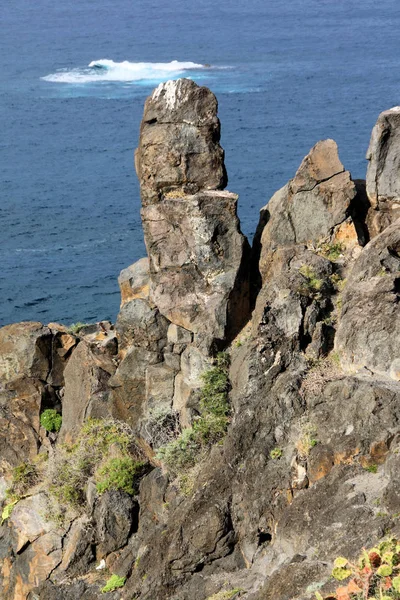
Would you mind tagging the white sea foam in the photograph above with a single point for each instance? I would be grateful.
(108, 70)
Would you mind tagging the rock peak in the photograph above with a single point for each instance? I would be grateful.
(179, 147)
(170, 91)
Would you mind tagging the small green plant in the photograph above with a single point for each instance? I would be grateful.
(7, 510)
(332, 251)
(114, 583)
(51, 420)
(23, 476)
(337, 281)
(276, 453)
(119, 474)
(307, 440)
(312, 285)
(208, 428)
(375, 576)
(76, 327)
(371, 468)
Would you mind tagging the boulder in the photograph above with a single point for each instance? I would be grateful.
(128, 385)
(368, 336)
(20, 406)
(310, 207)
(78, 549)
(25, 364)
(25, 350)
(196, 256)
(114, 515)
(140, 324)
(383, 181)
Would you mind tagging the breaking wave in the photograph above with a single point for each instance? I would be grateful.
(108, 70)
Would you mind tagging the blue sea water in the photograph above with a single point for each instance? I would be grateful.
(286, 74)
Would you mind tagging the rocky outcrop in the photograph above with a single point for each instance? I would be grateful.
(32, 362)
(383, 182)
(368, 336)
(310, 208)
(192, 295)
(309, 466)
(197, 254)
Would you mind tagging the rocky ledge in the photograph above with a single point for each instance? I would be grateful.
(237, 429)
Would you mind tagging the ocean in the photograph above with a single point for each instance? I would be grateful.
(74, 76)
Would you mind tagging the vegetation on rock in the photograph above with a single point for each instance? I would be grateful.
(114, 583)
(120, 474)
(209, 427)
(7, 510)
(51, 420)
(312, 284)
(276, 453)
(375, 576)
(89, 456)
(76, 327)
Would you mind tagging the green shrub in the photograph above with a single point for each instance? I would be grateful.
(119, 474)
(74, 463)
(371, 468)
(209, 427)
(114, 583)
(181, 453)
(50, 420)
(76, 327)
(312, 285)
(332, 251)
(24, 476)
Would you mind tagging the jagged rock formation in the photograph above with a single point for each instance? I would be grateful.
(309, 467)
(369, 332)
(194, 293)
(383, 186)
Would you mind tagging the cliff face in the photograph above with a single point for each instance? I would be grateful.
(190, 474)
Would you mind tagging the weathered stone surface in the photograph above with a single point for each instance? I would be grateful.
(115, 516)
(62, 347)
(159, 385)
(35, 564)
(78, 549)
(179, 141)
(383, 182)
(289, 308)
(368, 335)
(310, 206)
(188, 383)
(128, 398)
(140, 324)
(86, 388)
(29, 521)
(134, 281)
(24, 350)
(178, 335)
(196, 255)
(20, 405)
